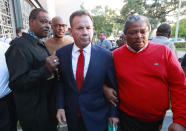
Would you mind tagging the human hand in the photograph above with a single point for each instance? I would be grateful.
(111, 95)
(113, 120)
(52, 62)
(61, 116)
(176, 127)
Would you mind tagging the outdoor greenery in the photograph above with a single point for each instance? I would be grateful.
(108, 20)
(180, 44)
(104, 20)
(156, 10)
(182, 29)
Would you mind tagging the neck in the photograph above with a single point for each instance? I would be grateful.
(58, 38)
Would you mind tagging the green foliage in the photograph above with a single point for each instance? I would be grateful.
(182, 29)
(180, 44)
(155, 10)
(104, 20)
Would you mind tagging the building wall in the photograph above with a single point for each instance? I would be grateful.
(64, 8)
(15, 13)
(6, 23)
(49, 5)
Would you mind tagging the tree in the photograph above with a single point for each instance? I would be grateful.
(155, 10)
(104, 20)
(182, 29)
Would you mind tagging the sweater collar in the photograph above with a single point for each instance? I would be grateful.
(131, 49)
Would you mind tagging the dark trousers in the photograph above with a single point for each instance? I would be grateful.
(129, 123)
(81, 125)
(8, 119)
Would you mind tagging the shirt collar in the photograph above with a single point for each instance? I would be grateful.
(33, 34)
(36, 37)
(87, 49)
(131, 49)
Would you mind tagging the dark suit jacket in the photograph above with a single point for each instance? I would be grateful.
(34, 94)
(95, 109)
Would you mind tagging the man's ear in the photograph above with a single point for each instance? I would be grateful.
(31, 22)
(169, 34)
(70, 31)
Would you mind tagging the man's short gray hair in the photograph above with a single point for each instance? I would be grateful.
(136, 18)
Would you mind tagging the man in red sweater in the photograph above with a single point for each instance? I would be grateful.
(149, 77)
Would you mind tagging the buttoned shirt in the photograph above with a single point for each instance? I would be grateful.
(4, 75)
(75, 56)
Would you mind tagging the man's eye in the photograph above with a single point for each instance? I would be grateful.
(44, 21)
(132, 33)
(80, 28)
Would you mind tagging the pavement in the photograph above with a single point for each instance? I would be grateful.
(166, 122)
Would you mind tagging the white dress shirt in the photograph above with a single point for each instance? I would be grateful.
(4, 75)
(75, 56)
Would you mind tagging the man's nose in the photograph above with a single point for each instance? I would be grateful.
(47, 25)
(85, 31)
(139, 35)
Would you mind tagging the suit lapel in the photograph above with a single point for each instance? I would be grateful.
(90, 67)
(69, 68)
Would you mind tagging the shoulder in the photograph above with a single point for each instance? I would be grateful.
(48, 40)
(157, 46)
(101, 50)
(120, 50)
(22, 44)
(64, 49)
(68, 40)
(107, 41)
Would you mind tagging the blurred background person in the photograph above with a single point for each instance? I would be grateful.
(121, 41)
(103, 41)
(58, 40)
(8, 119)
(163, 34)
(19, 32)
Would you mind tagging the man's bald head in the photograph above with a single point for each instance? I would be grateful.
(58, 27)
(57, 19)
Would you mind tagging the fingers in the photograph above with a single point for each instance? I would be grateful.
(59, 119)
(52, 62)
(113, 121)
(110, 122)
(54, 53)
(113, 103)
(61, 116)
(114, 98)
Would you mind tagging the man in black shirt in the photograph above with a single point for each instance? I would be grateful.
(30, 68)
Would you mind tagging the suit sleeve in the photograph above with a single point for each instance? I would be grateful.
(177, 87)
(111, 82)
(60, 88)
(19, 63)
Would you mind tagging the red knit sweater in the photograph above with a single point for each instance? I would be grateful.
(144, 81)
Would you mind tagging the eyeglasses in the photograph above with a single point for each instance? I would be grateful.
(60, 26)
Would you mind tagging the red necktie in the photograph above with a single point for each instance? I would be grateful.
(80, 70)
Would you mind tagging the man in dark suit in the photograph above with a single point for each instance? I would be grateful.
(84, 69)
(30, 69)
